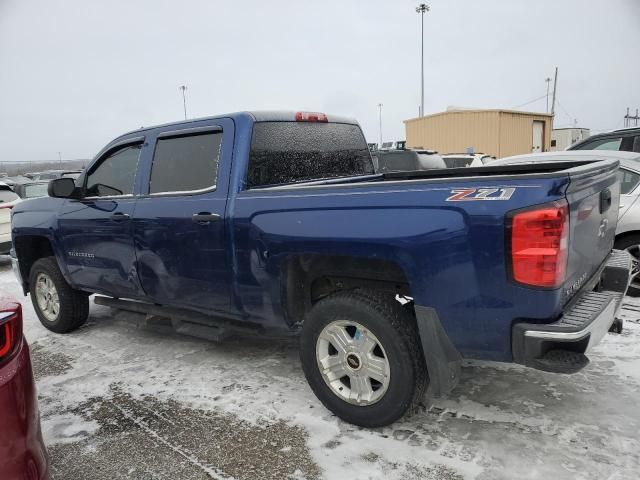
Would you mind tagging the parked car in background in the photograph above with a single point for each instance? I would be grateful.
(628, 228)
(23, 455)
(51, 174)
(396, 145)
(458, 160)
(15, 180)
(262, 221)
(406, 160)
(71, 174)
(8, 199)
(31, 189)
(624, 139)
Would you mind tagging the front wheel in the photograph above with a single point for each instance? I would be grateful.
(59, 307)
(361, 355)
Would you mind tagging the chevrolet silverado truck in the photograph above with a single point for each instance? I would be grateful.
(255, 223)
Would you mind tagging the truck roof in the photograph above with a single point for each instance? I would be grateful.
(256, 116)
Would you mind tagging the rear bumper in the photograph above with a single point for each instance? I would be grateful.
(580, 327)
(22, 451)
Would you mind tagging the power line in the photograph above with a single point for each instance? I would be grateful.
(565, 110)
(528, 103)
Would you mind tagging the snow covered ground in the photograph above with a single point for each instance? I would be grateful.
(121, 401)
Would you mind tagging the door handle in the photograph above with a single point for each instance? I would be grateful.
(204, 218)
(120, 217)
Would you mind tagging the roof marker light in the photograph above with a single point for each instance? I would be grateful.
(311, 117)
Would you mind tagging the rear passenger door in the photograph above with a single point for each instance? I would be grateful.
(179, 224)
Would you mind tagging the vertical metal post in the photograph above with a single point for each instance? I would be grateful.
(555, 86)
(548, 80)
(422, 9)
(380, 122)
(184, 99)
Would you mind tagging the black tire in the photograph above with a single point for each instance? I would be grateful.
(396, 330)
(622, 244)
(74, 305)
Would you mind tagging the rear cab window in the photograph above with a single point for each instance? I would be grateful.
(289, 152)
(186, 163)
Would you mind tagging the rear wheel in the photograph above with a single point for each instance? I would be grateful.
(361, 355)
(59, 307)
(631, 244)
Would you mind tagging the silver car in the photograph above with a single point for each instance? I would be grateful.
(628, 231)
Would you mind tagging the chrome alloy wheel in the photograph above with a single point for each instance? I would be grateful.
(352, 362)
(634, 286)
(47, 297)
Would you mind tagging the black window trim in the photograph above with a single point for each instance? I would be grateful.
(185, 132)
(128, 142)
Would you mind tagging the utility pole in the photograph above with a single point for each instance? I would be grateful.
(553, 103)
(380, 122)
(548, 80)
(422, 9)
(628, 117)
(184, 99)
(60, 158)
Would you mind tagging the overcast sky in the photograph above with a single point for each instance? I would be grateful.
(76, 73)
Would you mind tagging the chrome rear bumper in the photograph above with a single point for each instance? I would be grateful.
(583, 324)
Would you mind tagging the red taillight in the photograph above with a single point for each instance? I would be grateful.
(539, 245)
(10, 331)
(311, 117)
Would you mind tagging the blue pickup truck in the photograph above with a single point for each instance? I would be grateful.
(277, 222)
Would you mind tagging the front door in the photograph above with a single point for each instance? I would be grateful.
(95, 231)
(179, 225)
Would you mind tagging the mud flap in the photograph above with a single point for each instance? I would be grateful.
(443, 360)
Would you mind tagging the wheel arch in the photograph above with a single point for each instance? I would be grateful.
(29, 249)
(306, 279)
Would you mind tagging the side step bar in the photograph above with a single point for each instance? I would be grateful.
(183, 321)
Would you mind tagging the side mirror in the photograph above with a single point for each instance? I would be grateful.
(62, 188)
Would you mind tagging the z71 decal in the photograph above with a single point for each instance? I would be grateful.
(473, 194)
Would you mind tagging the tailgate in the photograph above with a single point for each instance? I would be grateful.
(593, 196)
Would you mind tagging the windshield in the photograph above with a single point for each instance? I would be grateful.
(36, 190)
(458, 162)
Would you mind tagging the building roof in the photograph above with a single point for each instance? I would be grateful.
(480, 110)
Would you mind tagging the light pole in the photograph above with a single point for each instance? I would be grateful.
(422, 9)
(380, 122)
(548, 80)
(184, 99)
(60, 158)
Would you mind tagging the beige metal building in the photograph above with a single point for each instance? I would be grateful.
(500, 133)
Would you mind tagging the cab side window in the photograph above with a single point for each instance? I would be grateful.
(187, 163)
(628, 181)
(115, 174)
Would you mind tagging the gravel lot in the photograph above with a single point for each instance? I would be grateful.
(120, 401)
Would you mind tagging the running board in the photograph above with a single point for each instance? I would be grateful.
(182, 321)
